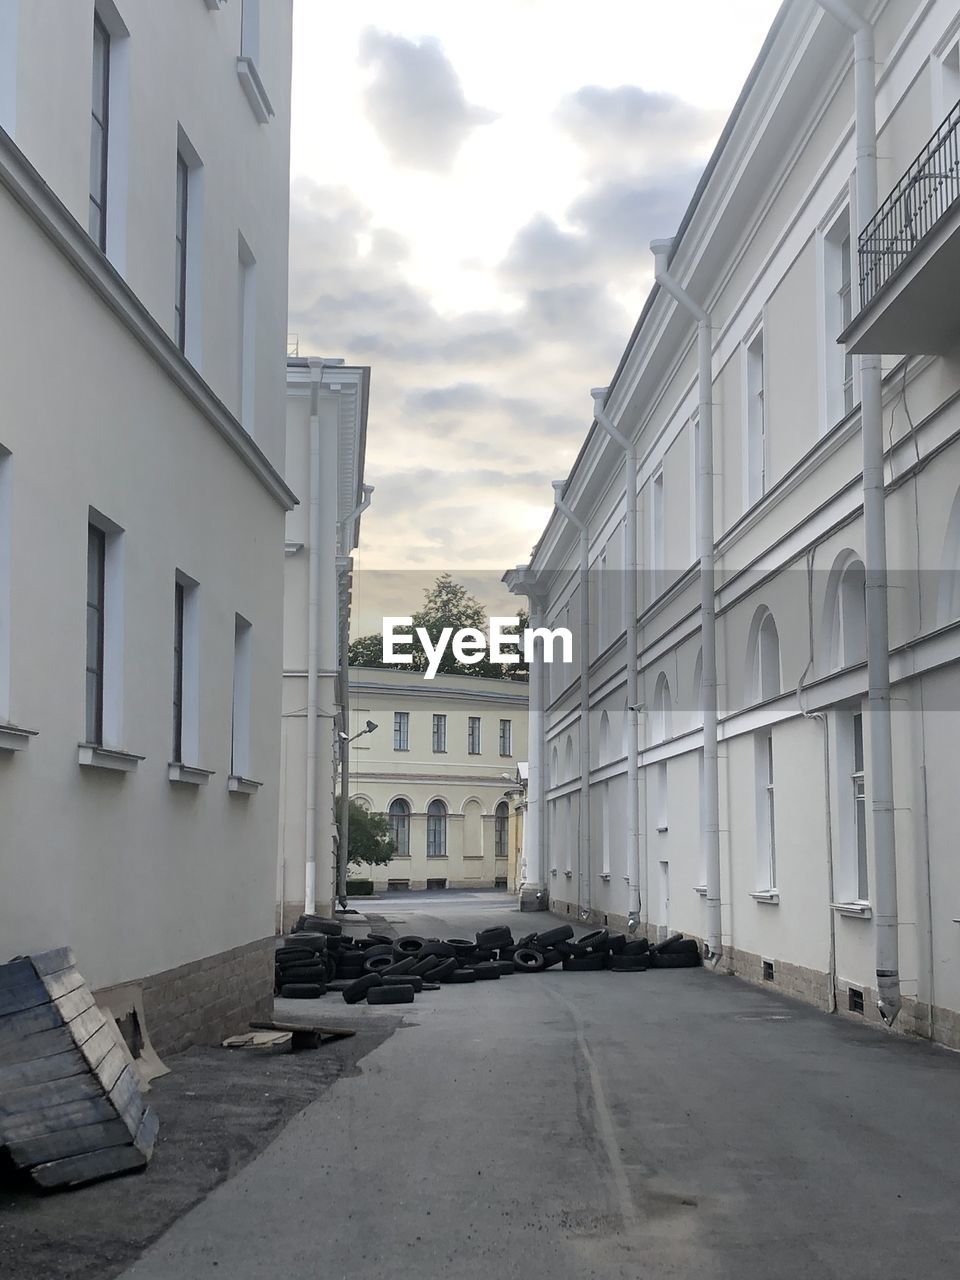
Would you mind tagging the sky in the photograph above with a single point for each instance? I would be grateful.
(473, 194)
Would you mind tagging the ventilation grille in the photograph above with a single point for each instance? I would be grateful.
(768, 973)
(436, 884)
(854, 1000)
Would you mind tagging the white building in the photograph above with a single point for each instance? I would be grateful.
(142, 503)
(806, 871)
(327, 403)
(441, 764)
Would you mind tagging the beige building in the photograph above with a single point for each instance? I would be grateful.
(440, 763)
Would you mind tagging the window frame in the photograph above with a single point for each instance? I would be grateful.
(501, 830)
(93, 713)
(241, 711)
(399, 822)
(439, 733)
(437, 829)
(98, 234)
(764, 760)
(182, 241)
(506, 739)
(401, 730)
(755, 416)
(474, 736)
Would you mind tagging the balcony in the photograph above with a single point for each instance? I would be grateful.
(910, 258)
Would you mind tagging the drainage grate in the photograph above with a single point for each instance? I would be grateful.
(768, 974)
(854, 1000)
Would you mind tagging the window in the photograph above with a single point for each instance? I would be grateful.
(506, 737)
(247, 265)
(763, 670)
(852, 870)
(947, 92)
(661, 798)
(5, 556)
(756, 422)
(501, 829)
(436, 885)
(96, 609)
(662, 723)
(766, 825)
(186, 672)
(99, 133)
(399, 818)
(9, 22)
(847, 612)
(397, 886)
(401, 731)
(695, 488)
(657, 533)
(436, 829)
(439, 733)
(250, 30)
(473, 736)
(838, 312)
(183, 210)
(242, 681)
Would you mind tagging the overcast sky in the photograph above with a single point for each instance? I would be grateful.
(474, 190)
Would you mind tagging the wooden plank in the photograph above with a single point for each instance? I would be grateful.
(86, 1024)
(109, 1070)
(42, 1045)
(48, 1016)
(96, 1048)
(51, 1093)
(49, 962)
(58, 1066)
(339, 1032)
(62, 983)
(147, 1132)
(75, 1002)
(25, 995)
(44, 1120)
(88, 1168)
(126, 1093)
(16, 972)
(70, 1142)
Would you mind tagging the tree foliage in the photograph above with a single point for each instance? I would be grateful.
(446, 604)
(369, 842)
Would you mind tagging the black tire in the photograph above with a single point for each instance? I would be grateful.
(488, 971)
(628, 964)
(437, 950)
(350, 967)
(583, 964)
(410, 945)
(379, 940)
(616, 943)
(403, 980)
(377, 964)
(318, 924)
(599, 940)
(444, 970)
(331, 968)
(526, 940)
(294, 955)
(667, 942)
(308, 973)
(505, 966)
(636, 947)
(505, 953)
(401, 966)
(552, 957)
(308, 941)
(391, 995)
(528, 960)
(675, 960)
(683, 946)
(479, 955)
(461, 976)
(571, 950)
(550, 937)
(490, 939)
(462, 946)
(357, 991)
(379, 949)
(303, 990)
(425, 966)
(431, 986)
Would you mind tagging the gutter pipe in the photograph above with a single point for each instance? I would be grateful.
(710, 829)
(313, 654)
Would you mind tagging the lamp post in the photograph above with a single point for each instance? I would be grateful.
(342, 843)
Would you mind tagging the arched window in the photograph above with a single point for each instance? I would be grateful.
(846, 612)
(948, 600)
(604, 739)
(436, 829)
(554, 766)
(696, 707)
(501, 827)
(662, 709)
(399, 817)
(568, 759)
(763, 658)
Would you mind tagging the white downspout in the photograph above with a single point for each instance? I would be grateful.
(313, 641)
(886, 915)
(344, 636)
(635, 898)
(710, 832)
(584, 870)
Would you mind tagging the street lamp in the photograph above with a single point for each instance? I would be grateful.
(345, 809)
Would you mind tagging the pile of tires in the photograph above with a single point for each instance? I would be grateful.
(318, 956)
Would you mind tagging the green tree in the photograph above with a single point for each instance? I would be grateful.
(369, 842)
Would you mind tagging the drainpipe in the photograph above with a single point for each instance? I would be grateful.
(313, 643)
(886, 914)
(710, 832)
(583, 852)
(344, 606)
(634, 897)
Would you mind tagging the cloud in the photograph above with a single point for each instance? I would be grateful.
(415, 101)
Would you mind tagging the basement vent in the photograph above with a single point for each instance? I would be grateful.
(436, 884)
(500, 882)
(605, 920)
(396, 885)
(854, 1000)
(768, 974)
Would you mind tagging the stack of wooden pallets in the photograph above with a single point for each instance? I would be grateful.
(71, 1109)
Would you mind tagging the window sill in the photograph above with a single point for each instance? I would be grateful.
(568, 874)
(242, 786)
(553, 871)
(437, 857)
(189, 774)
(701, 889)
(853, 910)
(91, 756)
(253, 88)
(13, 738)
(770, 896)
(501, 856)
(214, 5)
(662, 830)
(605, 876)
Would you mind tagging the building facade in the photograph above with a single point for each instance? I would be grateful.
(442, 764)
(142, 501)
(327, 404)
(804, 289)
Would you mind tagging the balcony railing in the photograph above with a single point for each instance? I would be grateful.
(925, 194)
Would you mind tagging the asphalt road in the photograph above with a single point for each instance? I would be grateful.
(561, 1126)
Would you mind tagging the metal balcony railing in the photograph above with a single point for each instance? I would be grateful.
(925, 194)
